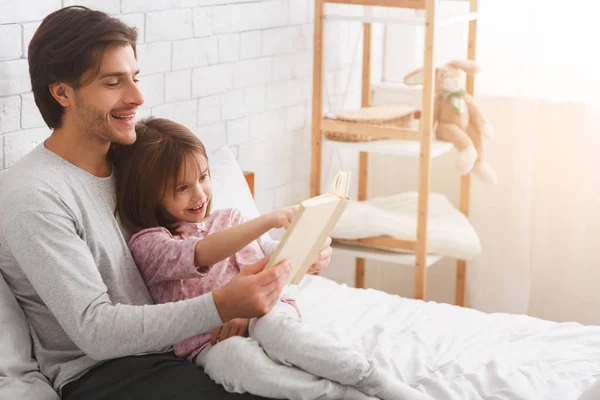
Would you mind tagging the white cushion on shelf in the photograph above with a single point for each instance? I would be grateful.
(449, 232)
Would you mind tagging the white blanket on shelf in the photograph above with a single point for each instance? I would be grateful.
(457, 353)
(449, 232)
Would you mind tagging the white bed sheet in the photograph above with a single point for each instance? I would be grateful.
(450, 352)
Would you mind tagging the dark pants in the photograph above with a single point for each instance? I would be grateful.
(149, 377)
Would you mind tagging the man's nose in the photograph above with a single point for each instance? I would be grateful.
(134, 95)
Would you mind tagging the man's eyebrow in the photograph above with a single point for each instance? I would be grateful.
(204, 171)
(117, 74)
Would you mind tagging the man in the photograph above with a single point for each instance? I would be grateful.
(96, 333)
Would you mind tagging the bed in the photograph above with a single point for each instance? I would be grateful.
(445, 351)
(450, 352)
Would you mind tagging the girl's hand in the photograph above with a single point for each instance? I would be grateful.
(282, 218)
(323, 259)
(234, 327)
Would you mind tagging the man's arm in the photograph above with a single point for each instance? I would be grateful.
(62, 270)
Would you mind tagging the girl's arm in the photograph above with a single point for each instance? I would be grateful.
(222, 244)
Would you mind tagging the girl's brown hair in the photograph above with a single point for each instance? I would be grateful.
(146, 167)
(68, 43)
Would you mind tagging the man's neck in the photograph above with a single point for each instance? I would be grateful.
(81, 151)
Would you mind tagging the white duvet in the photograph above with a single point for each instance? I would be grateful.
(449, 232)
(450, 352)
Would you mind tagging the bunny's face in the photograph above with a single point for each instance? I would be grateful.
(449, 79)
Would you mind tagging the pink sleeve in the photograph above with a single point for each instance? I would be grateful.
(160, 257)
(253, 252)
(235, 217)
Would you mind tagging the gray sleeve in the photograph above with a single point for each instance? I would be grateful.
(63, 272)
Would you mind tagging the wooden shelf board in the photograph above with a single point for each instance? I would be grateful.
(403, 20)
(414, 4)
(404, 148)
(380, 131)
(370, 253)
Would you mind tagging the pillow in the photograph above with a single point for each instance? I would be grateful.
(230, 189)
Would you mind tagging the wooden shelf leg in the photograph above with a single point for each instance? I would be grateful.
(461, 283)
(317, 103)
(465, 182)
(359, 279)
(363, 163)
(425, 156)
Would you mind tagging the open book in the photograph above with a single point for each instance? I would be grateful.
(310, 227)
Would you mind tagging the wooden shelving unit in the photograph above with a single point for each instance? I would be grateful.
(403, 141)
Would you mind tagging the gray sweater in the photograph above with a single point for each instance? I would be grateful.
(64, 255)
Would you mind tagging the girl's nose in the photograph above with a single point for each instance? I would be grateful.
(198, 192)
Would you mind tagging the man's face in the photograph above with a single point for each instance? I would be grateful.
(105, 107)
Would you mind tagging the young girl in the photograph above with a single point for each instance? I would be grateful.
(184, 250)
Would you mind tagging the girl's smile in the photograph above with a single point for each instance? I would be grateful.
(188, 198)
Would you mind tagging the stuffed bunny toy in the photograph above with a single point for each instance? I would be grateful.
(457, 119)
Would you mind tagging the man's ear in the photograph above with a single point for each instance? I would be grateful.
(61, 92)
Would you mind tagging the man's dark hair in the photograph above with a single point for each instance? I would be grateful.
(68, 43)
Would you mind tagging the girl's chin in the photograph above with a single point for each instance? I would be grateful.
(194, 217)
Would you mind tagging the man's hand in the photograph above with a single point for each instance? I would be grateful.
(323, 259)
(234, 327)
(253, 292)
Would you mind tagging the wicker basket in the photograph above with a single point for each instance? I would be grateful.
(397, 116)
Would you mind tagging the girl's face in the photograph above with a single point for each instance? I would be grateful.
(187, 199)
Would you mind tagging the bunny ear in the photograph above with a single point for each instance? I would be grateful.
(469, 66)
(414, 78)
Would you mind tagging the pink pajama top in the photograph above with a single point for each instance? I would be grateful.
(166, 263)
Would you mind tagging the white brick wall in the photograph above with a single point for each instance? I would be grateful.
(153, 89)
(246, 17)
(237, 72)
(108, 6)
(252, 72)
(14, 11)
(30, 115)
(10, 113)
(169, 25)
(14, 77)
(229, 47)
(11, 48)
(250, 44)
(195, 53)
(178, 85)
